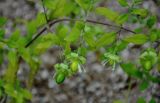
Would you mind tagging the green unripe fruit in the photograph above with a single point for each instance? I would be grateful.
(74, 66)
(60, 77)
(148, 59)
(147, 65)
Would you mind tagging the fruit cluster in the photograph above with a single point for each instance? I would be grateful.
(72, 64)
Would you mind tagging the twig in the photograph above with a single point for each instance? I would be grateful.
(46, 17)
(45, 12)
(51, 23)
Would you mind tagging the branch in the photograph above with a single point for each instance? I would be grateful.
(53, 22)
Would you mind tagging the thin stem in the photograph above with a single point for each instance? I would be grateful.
(45, 12)
(53, 22)
(128, 92)
(46, 17)
(84, 19)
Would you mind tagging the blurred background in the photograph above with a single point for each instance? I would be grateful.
(97, 85)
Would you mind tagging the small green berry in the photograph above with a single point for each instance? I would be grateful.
(74, 66)
(60, 77)
(147, 65)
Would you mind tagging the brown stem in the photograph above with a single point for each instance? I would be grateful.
(51, 23)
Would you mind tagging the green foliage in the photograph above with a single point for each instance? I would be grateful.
(148, 59)
(152, 101)
(108, 39)
(85, 4)
(108, 13)
(131, 70)
(59, 8)
(123, 3)
(117, 101)
(141, 100)
(19, 94)
(151, 21)
(140, 12)
(75, 32)
(122, 19)
(11, 72)
(136, 39)
(2, 21)
(144, 85)
(137, 1)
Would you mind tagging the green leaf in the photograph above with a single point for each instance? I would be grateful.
(61, 8)
(32, 26)
(2, 21)
(31, 29)
(141, 12)
(137, 1)
(67, 48)
(152, 78)
(51, 4)
(82, 51)
(153, 37)
(131, 70)
(89, 38)
(122, 19)
(34, 67)
(26, 94)
(75, 33)
(25, 54)
(12, 41)
(45, 42)
(136, 39)
(62, 31)
(117, 101)
(121, 46)
(40, 20)
(10, 90)
(22, 41)
(11, 72)
(106, 39)
(152, 101)
(1, 56)
(151, 21)
(60, 11)
(2, 33)
(123, 3)
(15, 36)
(141, 100)
(85, 4)
(144, 85)
(32, 60)
(108, 13)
